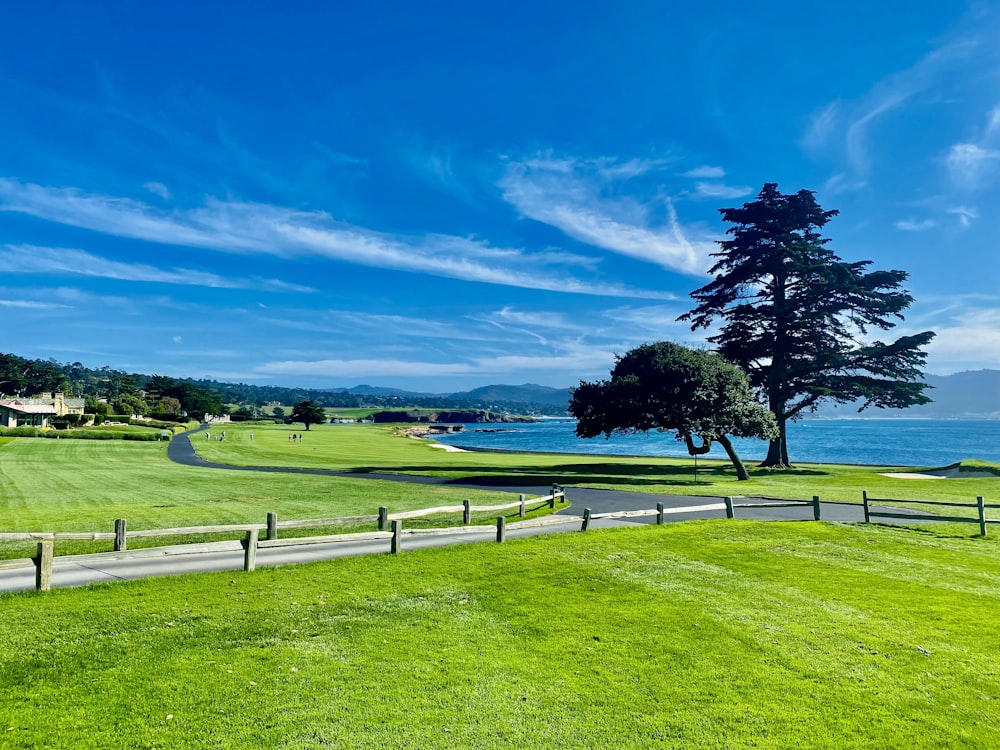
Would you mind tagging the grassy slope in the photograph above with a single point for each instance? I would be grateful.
(376, 448)
(83, 485)
(696, 635)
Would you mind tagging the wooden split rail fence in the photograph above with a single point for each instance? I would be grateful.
(980, 506)
(390, 526)
(251, 539)
(729, 505)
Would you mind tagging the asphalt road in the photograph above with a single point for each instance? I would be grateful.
(84, 569)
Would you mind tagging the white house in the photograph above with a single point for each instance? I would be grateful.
(38, 411)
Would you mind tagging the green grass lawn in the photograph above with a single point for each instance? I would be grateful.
(84, 485)
(715, 634)
(379, 448)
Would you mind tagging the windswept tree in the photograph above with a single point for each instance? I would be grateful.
(666, 387)
(308, 413)
(796, 317)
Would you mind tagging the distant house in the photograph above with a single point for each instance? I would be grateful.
(38, 411)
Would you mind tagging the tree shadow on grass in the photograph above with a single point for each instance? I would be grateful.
(626, 474)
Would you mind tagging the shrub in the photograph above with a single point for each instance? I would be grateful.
(124, 418)
(20, 431)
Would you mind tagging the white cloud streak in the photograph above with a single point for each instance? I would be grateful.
(22, 304)
(915, 225)
(721, 190)
(575, 196)
(241, 227)
(845, 128)
(706, 172)
(66, 261)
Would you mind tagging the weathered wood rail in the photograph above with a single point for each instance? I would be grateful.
(980, 506)
(729, 505)
(390, 527)
(250, 534)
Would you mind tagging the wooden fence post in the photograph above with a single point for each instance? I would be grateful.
(501, 529)
(397, 538)
(552, 497)
(272, 525)
(466, 512)
(586, 519)
(982, 515)
(659, 514)
(816, 512)
(383, 518)
(43, 566)
(121, 540)
(864, 500)
(250, 551)
(729, 507)
(521, 511)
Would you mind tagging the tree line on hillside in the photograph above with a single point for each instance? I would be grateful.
(137, 393)
(107, 391)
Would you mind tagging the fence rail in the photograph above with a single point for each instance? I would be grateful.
(250, 540)
(979, 506)
(390, 527)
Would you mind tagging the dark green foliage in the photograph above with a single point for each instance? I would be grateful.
(670, 388)
(308, 413)
(85, 434)
(796, 317)
(25, 377)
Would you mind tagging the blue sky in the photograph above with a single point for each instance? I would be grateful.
(441, 195)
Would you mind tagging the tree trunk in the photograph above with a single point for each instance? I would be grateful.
(741, 471)
(777, 449)
(695, 450)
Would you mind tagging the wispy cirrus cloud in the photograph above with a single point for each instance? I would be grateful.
(967, 338)
(578, 360)
(67, 261)
(973, 164)
(721, 190)
(24, 304)
(243, 227)
(915, 225)
(580, 198)
(159, 189)
(965, 214)
(706, 172)
(846, 130)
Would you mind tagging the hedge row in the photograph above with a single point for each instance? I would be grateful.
(146, 435)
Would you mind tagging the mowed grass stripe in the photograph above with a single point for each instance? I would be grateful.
(79, 485)
(379, 448)
(702, 634)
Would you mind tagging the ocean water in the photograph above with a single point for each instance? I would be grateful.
(885, 442)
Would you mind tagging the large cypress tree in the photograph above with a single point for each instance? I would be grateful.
(795, 316)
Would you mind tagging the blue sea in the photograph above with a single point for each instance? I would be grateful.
(885, 442)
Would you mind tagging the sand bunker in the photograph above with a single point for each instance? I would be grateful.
(448, 448)
(911, 475)
(953, 473)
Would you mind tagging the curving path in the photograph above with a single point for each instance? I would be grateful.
(181, 450)
(83, 569)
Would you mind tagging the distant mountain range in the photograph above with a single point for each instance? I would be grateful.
(528, 393)
(963, 395)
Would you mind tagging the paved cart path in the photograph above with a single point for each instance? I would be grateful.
(182, 451)
(79, 570)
